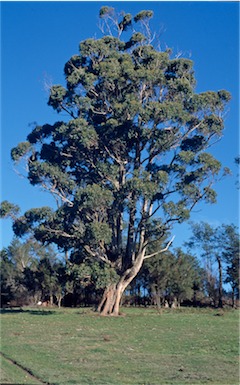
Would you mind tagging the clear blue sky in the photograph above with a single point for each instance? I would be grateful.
(39, 37)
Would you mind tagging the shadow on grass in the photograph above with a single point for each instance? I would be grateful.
(27, 311)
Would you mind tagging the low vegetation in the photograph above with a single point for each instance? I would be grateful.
(77, 346)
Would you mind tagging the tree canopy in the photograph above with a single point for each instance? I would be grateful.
(129, 157)
(218, 244)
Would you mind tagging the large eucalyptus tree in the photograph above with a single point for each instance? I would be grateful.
(131, 159)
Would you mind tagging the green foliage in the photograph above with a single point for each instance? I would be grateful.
(24, 224)
(209, 163)
(136, 38)
(105, 10)
(8, 209)
(15, 261)
(210, 195)
(237, 160)
(185, 276)
(7, 277)
(21, 150)
(57, 95)
(99, 232)
(50, 276)
(230, 238)
(94, 196)
(218, 245)
(171, 275)
(126, 22)
(187, 157)
(143, 15)
(177, 210)
(31, 272)
(37, 214)
(91, 274)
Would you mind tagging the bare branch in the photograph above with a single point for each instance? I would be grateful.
(66, 155)
(160, 251)
(68, 111)
(54, 192)
(113, 157)
(96, 254)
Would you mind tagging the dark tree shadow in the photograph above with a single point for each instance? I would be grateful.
(27, 311)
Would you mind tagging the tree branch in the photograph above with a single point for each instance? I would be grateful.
(62, 233)
(97, 255)
(160, 251)
(61, 194)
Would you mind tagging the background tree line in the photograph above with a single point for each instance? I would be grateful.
(31, 273)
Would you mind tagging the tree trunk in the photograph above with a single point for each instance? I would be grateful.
(51, 299)
(233, 298)
(110, 303)
(220, 290)
(106, 305)
(59, 300)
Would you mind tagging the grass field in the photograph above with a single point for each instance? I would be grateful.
(76, 346)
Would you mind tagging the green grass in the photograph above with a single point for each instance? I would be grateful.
(12, 374)
(76, 346)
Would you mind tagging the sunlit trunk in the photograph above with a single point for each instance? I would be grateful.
(110, 303)
(107, 303)
(59, 300)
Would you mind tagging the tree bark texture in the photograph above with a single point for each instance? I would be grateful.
(110, 303)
